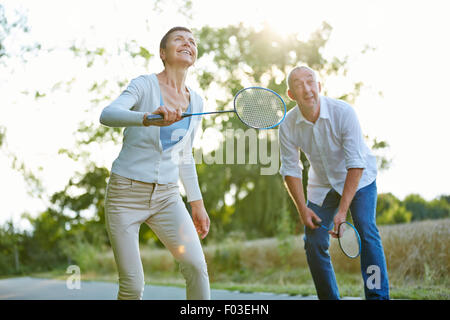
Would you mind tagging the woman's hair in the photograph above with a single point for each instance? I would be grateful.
(162, 44)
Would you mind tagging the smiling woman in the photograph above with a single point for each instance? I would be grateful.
(143, 185)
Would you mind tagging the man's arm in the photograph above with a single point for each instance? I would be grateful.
(355, 163)
(295, 190)
(350, 186)
(291, 170)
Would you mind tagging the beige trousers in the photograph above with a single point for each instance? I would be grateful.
(129, 203)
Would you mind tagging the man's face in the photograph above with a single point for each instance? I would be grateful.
(180, 48)
(304, 88)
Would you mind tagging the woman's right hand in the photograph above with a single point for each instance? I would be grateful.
(170, 115)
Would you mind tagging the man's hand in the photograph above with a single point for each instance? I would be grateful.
(295, 189)
(338, 219)
(350, 185)
(308, 218)
(170, 115)
(200, 218)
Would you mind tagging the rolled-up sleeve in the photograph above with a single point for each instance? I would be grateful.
(119, 113)
(289, 154)
(352, 141)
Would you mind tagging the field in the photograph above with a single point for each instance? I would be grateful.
(417, 255)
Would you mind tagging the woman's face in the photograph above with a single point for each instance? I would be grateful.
(180, 49)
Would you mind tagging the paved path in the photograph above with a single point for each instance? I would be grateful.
(26, 288)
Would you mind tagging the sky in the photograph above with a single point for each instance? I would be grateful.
(409, 65)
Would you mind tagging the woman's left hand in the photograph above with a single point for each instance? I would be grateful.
(200, 218)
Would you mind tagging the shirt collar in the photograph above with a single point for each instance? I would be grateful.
(324, 112)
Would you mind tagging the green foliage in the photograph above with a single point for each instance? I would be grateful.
(10, 244)
(2, 135)
(390, 210)
(416, 254)
(143, 52)
(416, 204)
(395, 214)
(43, 249)
(90, 189)
(245, 56)
(83, 254)
(226, 259)
(285, 230)
(421, 209)
(11, 25)
(33, 183)
(439, 208)
(383, 162)
(14, 24)
(239, 199)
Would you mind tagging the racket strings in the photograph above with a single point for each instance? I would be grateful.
(259, 108)
(349, 240)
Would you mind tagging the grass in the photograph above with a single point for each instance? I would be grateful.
(417, 256)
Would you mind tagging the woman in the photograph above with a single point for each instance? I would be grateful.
(143, 184)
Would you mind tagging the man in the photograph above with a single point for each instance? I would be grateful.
(342, 176)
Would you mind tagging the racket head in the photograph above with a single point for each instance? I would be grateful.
(259, 107)
(349, 240)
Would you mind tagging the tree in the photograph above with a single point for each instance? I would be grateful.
(390, 210)
(10, 246)
(15, 25)
(242, 57)
(421, 209)
(237, 196)
(417, 205)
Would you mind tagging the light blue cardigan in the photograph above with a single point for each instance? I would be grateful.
(142, 157)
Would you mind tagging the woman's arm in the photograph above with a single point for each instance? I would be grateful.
(119, 113)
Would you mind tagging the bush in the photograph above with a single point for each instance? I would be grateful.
(395, 214)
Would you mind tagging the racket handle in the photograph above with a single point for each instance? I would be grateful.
(156, 117)
(320, 225)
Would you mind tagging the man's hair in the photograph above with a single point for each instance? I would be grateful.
(298, 68)
(163, 43)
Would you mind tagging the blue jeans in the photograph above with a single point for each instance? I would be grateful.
(363, 210)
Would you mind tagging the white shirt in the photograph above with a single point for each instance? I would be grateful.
(142, 157)
(332, 145)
